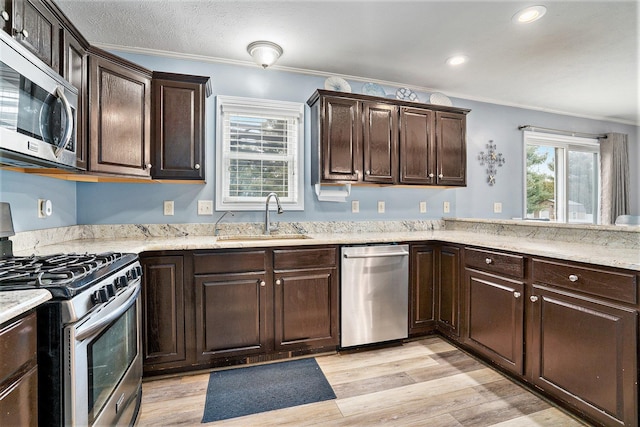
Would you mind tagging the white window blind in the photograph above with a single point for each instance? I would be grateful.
(259, 151)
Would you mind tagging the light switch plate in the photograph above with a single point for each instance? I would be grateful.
(380, 206)
(497, 207)
(423, 207)
(205, 207)
(355, 206)
(168, 207)
(446, 207)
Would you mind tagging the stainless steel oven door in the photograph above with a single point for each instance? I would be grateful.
(104, 363)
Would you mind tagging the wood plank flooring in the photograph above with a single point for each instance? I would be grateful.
(427, 382)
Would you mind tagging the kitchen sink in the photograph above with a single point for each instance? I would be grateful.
(239, 237)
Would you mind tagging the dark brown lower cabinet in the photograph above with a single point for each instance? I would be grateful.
(19, 372)
(165, 318)
(305, 298)
(423, 278)
(231, 312)
(584, 352)
(448, 290)
(495, 318)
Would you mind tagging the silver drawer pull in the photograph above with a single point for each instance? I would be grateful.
(516, 294)
(196, 166)
(533, 298)
(573, 278)
(488, 260)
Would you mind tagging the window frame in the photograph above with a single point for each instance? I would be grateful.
(566, 144)
(254, 106)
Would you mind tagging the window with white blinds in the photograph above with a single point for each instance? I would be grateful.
(259, 150)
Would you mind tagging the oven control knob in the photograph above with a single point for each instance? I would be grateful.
(100, 296)
(120, 282)
(111, 290)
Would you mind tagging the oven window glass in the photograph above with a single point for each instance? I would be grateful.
(109, 357)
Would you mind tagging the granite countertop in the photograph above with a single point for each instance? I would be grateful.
(14, 303)
(619, 257)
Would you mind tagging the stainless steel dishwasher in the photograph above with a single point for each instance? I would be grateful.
(375, 294)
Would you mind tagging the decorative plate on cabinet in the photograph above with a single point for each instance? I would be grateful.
(338, 84)
(373, 89)
(406, 94)
(438, 98)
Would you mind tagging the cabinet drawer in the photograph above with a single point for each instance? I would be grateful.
(17, 345)
(495, 262)
(229, 262)
(304, 258)
(615, 285)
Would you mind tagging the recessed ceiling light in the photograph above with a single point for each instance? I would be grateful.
(457, 60)
(529, 14)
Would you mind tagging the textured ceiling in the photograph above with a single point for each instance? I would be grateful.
(581, 58)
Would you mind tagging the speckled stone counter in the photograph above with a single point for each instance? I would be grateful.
(603, 251)
(14, 303)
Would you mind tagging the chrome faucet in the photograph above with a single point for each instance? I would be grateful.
(267, 223)
(216, 230)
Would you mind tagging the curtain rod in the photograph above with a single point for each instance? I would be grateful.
(567, 132)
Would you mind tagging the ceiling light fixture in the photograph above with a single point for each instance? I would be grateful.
(457, 60)
(264, 53)
(529, 14)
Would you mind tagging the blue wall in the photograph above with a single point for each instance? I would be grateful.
(104, 203)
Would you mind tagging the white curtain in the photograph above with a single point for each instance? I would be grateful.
(614, 172)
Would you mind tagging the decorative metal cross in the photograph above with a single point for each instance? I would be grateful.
(491, 159)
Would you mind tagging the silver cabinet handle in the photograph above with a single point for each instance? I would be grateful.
(533, 298)
(516, 294)
(196, 166)
(262, 283)
(488, 261)
(24, 33)
(368, 172)
(431, 175)
(440, 176)
(278, 282)
(573, 278)
(5, 15)
(148, 166)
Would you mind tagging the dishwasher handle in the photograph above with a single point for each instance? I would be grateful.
(378, 255)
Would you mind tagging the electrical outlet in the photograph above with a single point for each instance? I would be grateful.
(423, 207)
(380, 206)
(446, 207)
(355, 206)
(205, 207)
(168, 207)
(497, 207)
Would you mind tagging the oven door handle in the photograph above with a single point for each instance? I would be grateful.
(106, 320)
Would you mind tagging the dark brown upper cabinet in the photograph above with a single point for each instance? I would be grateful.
(178, 130)
(372, 140)
(119, 122)
(35, 27)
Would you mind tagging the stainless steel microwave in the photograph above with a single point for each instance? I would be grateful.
(37, 111)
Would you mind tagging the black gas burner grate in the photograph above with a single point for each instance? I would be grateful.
(64, 275)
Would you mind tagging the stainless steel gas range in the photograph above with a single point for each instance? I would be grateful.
(89, 342)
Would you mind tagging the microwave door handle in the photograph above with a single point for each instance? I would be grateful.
(69, 129)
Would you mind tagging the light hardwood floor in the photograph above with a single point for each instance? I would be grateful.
(426, 382)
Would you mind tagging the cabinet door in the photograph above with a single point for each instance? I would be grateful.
(306, 309)
(75, 69)
(6, 15)
(417, 148)
(584, 352)
(120, 101)
(178, 138)
(341, 140)
(19, 401)
(36, 28)
(423, 280)
(495, 319)
(231, 312)
(163, 305)
(380, 142)
(448, 290)
(451, 148)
